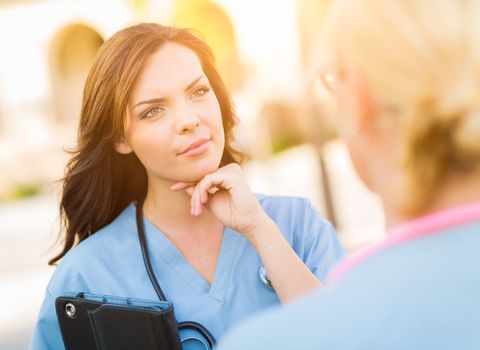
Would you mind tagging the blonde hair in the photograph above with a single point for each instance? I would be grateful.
(421, 59)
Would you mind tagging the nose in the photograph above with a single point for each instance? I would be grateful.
(186, 119)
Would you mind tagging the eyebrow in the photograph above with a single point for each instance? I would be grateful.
(157, 100)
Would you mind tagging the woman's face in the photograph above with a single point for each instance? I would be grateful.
(367, 131)
(174, 122)
(356, 122)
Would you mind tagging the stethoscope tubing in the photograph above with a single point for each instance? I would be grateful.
(156, 286)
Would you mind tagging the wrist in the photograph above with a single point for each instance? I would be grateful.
(262, 231)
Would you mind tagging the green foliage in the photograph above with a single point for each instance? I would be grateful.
(20, 191)
(286, 140)
(140, 5)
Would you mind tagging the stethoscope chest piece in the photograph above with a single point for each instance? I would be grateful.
(262, 273)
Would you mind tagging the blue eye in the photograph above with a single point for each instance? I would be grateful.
(152, 112)
(200, 92)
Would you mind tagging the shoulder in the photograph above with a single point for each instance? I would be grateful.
(354, 307)
(416, 282)
(293, 214)
(94, 254)
(288, 207)
(279, 332)
(280, 202)
(311, 235)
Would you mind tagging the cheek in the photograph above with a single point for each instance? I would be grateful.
(213, 117)
(151, 144)
(220, 134)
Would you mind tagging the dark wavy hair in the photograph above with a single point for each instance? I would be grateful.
(99, 182)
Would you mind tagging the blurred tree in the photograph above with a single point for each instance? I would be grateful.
(283, 124)
(140, 9)
(140, 5)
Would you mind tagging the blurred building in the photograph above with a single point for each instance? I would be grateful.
(47, 48)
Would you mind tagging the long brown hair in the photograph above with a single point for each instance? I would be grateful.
(99, 182)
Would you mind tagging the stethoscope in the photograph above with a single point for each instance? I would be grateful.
(262, 273)
(186, 325)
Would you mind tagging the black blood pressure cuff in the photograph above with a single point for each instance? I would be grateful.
(91, 322)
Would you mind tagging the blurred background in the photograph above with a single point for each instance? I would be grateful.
(262, 50)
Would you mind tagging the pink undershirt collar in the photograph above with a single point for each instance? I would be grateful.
(423, 226)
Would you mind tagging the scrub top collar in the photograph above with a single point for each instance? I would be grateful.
(163, 251)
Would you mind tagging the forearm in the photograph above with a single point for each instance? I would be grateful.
(290, 277)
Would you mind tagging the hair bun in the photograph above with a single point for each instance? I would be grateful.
(466, 135)
(452, 127)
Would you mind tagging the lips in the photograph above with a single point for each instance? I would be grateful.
(194, 145)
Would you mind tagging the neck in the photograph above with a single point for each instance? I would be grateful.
(170, 210)
(455, 190)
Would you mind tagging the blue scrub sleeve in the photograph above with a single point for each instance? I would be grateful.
(46, 335)
(322, 250)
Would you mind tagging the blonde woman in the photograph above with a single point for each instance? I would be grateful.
(405, 76)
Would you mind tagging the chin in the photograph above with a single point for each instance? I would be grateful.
(195, 172)
(361, 169)
(200, 173)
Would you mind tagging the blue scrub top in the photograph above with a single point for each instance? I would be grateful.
(423, 294)
(110, 263)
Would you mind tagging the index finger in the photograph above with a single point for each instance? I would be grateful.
(181, 185)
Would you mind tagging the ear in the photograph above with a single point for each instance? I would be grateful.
(123, 147)
(358, 125)
(365, 114)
